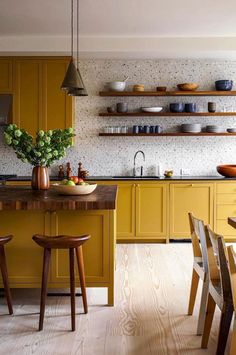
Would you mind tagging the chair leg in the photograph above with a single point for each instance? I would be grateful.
(203, 304)
(72, 288)
(80, 260)
(208, 321)
(225, 321)
(3, 267)
(193, 291)
(46, 262)
(233, 338)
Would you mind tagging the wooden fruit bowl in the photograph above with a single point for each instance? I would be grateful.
(227, 170)
(188, 86)
(74, 190)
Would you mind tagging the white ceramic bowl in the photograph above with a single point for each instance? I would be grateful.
(116, 85)
(152, 109)
(74, 190)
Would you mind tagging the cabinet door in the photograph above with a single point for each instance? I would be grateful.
(96, 249)
(57, 105)
(193, 197)
(126, 211)
(151, 210)
(28, 95)
(6, 75)
(24, 256)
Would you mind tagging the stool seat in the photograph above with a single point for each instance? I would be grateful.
(4, 240)
(3, 268)
(74, 245)
(60, 241)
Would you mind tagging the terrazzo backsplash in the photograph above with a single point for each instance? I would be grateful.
(114, 155)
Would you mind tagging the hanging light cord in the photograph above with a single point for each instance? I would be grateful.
(72, 28)
(77, 34)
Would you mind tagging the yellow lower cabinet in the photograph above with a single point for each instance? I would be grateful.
(96, 250)
(189, 197)
(126, 211)
(151, 210)
(24, 256)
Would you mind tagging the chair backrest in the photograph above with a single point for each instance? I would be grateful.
(198, 238)
(217, 261)
(232, 270)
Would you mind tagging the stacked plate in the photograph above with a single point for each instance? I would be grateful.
(191, 128)
(231, 130)
(214, 129)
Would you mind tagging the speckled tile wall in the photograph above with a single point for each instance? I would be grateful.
(112, 156)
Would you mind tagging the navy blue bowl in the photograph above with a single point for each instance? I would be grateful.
(191, 107)
(224, 85)
(176, 107)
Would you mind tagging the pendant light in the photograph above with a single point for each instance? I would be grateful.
(72, 79)
(81, 91)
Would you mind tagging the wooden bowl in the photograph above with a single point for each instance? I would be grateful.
(227, 170)
(74, 190)
(161, 88)
(188, 86)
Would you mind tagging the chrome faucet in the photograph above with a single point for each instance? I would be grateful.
(141, 167)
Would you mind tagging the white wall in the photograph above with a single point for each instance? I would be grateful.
(110, 156)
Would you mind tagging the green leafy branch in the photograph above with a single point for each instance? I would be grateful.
(48, 146)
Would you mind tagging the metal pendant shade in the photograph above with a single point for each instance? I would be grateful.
(72, 79)
(73, 82)
(78, 92)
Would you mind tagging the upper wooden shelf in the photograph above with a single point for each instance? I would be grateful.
(165, 114)
(167, 134)
(168, 93)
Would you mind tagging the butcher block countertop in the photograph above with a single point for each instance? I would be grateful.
(24, 198)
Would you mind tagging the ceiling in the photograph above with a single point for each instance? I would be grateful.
(121, 26)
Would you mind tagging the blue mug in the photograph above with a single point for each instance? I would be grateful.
(191, 107)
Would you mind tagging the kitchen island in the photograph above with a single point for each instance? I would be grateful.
(25, 212)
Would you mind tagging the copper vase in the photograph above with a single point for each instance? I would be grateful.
(40, 178)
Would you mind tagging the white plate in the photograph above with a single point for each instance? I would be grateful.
(74, 190)
(152, 109)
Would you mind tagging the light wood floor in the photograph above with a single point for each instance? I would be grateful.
(152, 288)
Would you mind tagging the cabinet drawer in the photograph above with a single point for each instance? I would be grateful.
(229, 199)
(227, 188)
(225, 211)
(223, 228)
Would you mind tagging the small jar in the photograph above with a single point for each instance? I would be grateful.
(211, 107)
(122, 107)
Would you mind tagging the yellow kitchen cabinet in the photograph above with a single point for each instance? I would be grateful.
(38, 101)
(6, 72)
(225, 207)
(27, 101)
(126, 211)
(24, 257)
(189, 197)
(151, 210)
(57, 105)
(96, 258)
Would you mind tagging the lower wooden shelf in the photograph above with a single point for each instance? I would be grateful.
(171, 134)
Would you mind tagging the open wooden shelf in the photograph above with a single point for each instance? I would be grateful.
(168, 93)
(172, 134)
(165, 114)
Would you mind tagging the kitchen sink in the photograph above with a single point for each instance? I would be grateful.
(131, 177)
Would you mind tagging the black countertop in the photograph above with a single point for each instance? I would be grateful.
(127, 178)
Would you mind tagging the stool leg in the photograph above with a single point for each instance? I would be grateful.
(72, 287)
(3, 267)
(46, 262)
(80, 260)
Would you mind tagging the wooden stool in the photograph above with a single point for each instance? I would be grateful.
(63, 242)
(3, 267)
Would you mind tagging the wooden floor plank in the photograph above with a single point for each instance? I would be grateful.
(150, 315)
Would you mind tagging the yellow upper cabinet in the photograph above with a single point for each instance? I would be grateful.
(189, 197)
(38, 100)
(27, 98)
(6, 70)
(151, 210)
(57, 106)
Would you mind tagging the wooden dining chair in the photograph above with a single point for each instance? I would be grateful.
(200, 269)
(3, 268)
(232, 269)
(219, 290)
